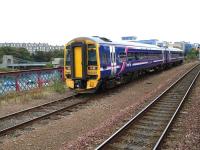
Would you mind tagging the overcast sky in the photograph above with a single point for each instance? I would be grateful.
(58, 21)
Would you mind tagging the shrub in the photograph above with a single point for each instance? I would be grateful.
(49, 65)
(59, 86)
(192, 55)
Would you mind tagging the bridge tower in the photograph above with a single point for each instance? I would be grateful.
(7, 60)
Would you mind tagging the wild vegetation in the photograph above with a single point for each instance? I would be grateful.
(192, 55)
(7, 69)
(41, 56)
(59, 87)
(37, 93)
(24, 54)
(21, 53)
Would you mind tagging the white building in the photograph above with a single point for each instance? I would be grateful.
(33, 47)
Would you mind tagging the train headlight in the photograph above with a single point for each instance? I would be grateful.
(92, 68)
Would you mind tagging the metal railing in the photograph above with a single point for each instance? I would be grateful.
(26, 80)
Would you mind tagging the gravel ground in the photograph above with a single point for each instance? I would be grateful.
(87, 127)
(185, 132)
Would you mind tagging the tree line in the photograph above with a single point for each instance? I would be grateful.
(23, 53)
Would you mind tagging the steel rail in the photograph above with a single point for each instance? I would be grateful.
(143, 110)
(36, 107)
(175, 113)
(5, 130)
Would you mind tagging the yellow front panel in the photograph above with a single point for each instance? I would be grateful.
(78, 62)
(91, 84)
(70, 83)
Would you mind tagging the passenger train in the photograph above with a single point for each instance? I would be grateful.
(94, 62)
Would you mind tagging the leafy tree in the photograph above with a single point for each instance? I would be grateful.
(21, 53)
(58, 53)
(41, 56)
(193, 54)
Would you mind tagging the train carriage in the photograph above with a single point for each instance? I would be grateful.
(94, 62)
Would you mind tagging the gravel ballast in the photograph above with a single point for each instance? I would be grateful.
(12, 105)
(185, 131)
(88, 127)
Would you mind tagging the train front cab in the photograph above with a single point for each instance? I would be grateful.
(82, 65)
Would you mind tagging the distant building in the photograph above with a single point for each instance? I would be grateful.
(58, 62)
(180, 45)
(167, 44)
(185, 46)
(129, 38)
(7, 60)
(197, 46)
(33, 47)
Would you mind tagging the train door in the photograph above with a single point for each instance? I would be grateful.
(78, 62)
(79, 59)
(166, 56)
(113, 60)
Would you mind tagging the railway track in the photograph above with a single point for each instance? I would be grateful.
(182, 128)
(23, 118)
(148, 128)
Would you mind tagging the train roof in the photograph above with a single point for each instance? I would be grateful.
(175, 49)
(102, 40)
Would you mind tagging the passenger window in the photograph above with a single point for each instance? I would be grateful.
(131, 56)
(122, 56)
(91, 46)
(139, 56)
(92, 59)
(154, 56)
(68, 58)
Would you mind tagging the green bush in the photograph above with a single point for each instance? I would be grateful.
(59, 86)
(192, 55)
(49, 65)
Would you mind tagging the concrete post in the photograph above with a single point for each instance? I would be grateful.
(7, 59)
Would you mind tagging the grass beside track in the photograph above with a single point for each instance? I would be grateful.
(34, 94)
